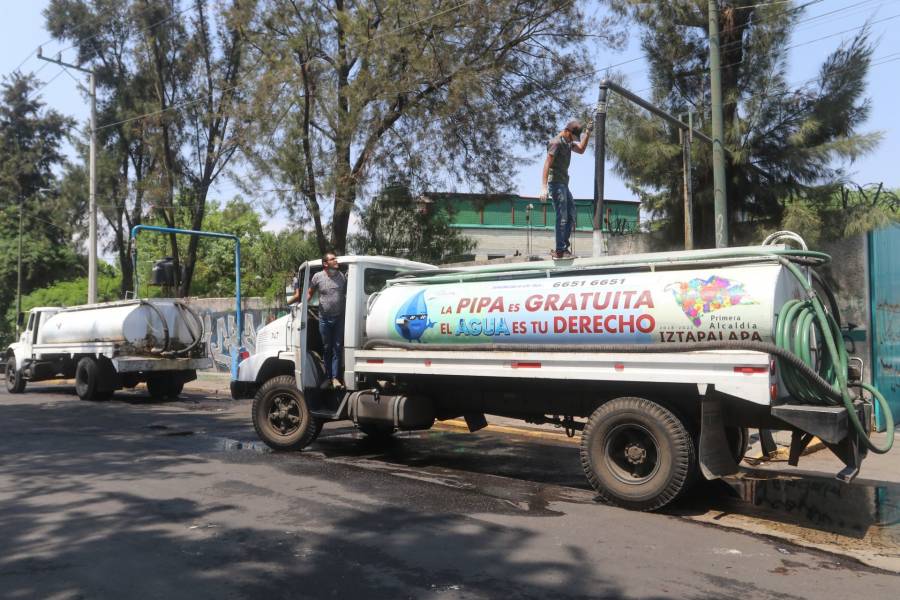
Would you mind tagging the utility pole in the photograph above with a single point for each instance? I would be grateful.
(92, 170)
(599, 248)
(19, 270)
(687, 136)
(718, 133)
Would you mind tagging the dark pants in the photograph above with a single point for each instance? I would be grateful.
(332, 331)
(565, 213)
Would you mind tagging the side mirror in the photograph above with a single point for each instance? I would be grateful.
(20, 319)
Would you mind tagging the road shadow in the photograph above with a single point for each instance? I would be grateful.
(353, 533)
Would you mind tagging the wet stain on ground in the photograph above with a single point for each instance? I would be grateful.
(859, 510)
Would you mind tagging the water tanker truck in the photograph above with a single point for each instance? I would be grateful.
(662, 361)
(108, 346)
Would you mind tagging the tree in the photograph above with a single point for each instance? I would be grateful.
(394, 224)
(169, 75)
(421, 88)
(267, 259)
(782, 141)
(30, 139)
(70, 292)
(840, 211)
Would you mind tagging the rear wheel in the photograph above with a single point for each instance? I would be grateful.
(637, 454)
(739, 441)
(15, 383)
(281, 416)
(87, 379)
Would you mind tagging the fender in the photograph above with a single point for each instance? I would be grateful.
(15, 349)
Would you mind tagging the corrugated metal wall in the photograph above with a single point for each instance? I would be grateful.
(884, 290)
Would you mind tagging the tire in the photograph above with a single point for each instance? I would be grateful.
(15, 383)
(739, 441)
(87, 378)
(637, 454)
(163, 387)
(281, 416)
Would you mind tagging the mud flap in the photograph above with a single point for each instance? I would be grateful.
(716, 458)
(475, 421)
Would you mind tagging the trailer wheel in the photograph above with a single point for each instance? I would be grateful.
(281, 416)
(637, 454)
(87, 376)
(15, 383)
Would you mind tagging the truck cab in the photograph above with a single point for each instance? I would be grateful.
(291, 346)
(20, 353)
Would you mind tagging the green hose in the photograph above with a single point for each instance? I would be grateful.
(791, 329)
(791, 333)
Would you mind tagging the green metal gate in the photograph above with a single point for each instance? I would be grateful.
(884, 294)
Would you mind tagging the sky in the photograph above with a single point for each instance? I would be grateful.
(826, 24)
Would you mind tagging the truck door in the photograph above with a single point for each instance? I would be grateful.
(30, 335)
(301, 320)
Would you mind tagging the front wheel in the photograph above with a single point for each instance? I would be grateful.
(281, 416)
(637, 454)
(15, 383)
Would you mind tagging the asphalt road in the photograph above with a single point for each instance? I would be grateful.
(128, 499)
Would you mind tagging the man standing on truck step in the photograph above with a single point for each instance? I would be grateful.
(332, 287)
(555, 176)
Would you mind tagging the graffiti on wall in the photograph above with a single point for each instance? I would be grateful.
(220, 333)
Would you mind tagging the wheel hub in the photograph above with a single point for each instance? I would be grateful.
(631, 453)
(285, 415)
(635, 454)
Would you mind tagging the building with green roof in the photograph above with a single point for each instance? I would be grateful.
(511, 225)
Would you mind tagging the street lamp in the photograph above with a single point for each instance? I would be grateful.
(19, 269)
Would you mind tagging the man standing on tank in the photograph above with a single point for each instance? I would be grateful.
(555, 180)
(332, 287)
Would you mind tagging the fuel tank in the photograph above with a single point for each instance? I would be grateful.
(132, 324)
(729, 303)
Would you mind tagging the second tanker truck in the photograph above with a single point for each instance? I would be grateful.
(662, 361)
(105, 347)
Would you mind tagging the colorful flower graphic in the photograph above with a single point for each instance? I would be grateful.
(699, 297)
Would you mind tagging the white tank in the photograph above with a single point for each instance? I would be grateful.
(131, 323)
(709, 304)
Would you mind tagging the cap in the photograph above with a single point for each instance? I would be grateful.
(574, 126)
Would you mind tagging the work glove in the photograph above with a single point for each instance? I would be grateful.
(544, 194)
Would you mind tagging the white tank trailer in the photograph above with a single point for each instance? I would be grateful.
(108, 346)
(663, 361)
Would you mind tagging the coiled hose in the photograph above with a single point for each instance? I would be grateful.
(792, 334)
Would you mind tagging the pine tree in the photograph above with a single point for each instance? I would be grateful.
(30, 140)
(783, 141)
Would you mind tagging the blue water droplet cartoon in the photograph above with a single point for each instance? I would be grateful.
(412, 319)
